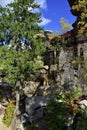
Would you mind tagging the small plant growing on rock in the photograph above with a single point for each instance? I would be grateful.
(9, 113)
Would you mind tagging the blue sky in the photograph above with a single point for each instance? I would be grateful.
(56, 9)
(52, 12)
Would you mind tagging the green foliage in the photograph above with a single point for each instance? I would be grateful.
(59, 107)
(18, 16)
(18, 27)
(73, 94)
(80, 9)
(82, 124)
(56, 118)
(18, 64)
(9, 113)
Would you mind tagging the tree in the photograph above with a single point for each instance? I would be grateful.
(19, 47)
(19, 25)
(65, 25)
(79, 8)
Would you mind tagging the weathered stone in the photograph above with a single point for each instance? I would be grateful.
(30, 88)
(34, 106)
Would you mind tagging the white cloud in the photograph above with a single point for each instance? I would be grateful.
(5, 2)
(42, 3)
(45, 21)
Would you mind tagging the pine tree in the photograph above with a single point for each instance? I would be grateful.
(18, 27)
(19, 46)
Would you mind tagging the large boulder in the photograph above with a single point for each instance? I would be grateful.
(34, 107)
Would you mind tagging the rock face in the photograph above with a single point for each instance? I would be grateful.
(30, 88)
(66, 75)
(5, 90)
(37, 95)
(34, 107)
